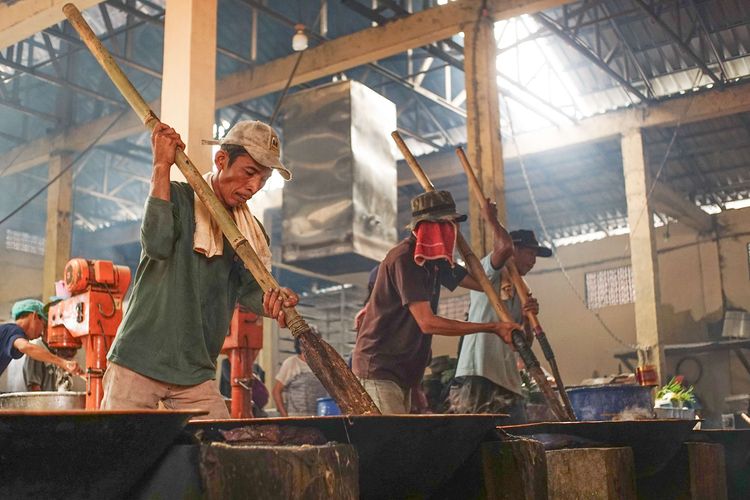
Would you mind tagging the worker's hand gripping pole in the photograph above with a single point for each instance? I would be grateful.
(324, 361)
(521, 288)
(477, 271)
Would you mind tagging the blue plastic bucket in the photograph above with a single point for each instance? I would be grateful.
(327, 406)
(605, 402)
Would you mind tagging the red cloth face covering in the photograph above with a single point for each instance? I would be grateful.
(435, 241)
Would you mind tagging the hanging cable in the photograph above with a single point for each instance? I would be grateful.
(286, 89)
(291, 76)
(549, 238)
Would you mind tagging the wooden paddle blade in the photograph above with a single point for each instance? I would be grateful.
(554, 404)
(532, 366)
(546, 348)
(336, 376)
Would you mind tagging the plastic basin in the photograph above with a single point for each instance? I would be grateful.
(612, 402)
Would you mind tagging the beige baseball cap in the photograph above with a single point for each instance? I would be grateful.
(259, 140)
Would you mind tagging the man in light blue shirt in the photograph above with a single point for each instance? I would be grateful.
(487, 375)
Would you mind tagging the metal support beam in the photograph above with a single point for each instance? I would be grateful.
(576, 45)
(643, 256)
(12, 138)
(38, 151)
(676, 205)
(372, 44)
(60, 82)
(28, 111)
(420, 138)
(684, 47)
(707, 32)
(517, 91)
(688, 109)
(438, 52)
(702, 106)
(120, 202)
(156, 20)
(629, 51)
(120, 59)
(377, 68)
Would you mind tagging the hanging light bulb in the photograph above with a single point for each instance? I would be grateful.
(299, 40)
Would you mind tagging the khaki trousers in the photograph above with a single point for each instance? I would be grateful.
(388, 396)
(125, 389)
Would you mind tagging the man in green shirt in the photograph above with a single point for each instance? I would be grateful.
(189, 279)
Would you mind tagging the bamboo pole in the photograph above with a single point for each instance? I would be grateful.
(522, 289)
(477, 271)
(324, 361)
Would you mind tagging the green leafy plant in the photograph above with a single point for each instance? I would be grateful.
(676, 393)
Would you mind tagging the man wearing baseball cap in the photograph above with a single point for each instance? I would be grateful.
(30, 320)
(189, 278)
(394, 341)
(487, 377)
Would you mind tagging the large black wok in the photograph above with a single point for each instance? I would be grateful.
(81, 454)
(654, 442)
(399, 455)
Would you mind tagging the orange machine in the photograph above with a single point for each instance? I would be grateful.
(244, 340)
(90, 317)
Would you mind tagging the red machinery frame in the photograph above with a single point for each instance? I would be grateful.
(90, 317)
(244, 340)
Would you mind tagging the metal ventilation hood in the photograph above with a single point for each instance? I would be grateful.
(340, 209)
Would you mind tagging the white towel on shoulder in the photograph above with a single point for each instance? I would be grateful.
(209, 240)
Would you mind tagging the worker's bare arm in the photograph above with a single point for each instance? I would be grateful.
(41, 354)
(432, 324)
(502, 243)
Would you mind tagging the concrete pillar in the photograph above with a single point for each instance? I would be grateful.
(643, 250)
(188, 91)
(484, 148)
(591, 473)
(59, 229)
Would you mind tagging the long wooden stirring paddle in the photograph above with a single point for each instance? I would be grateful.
(324, 361)
(522, 289)
(477, 271)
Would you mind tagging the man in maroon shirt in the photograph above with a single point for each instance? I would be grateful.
(394, 341)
